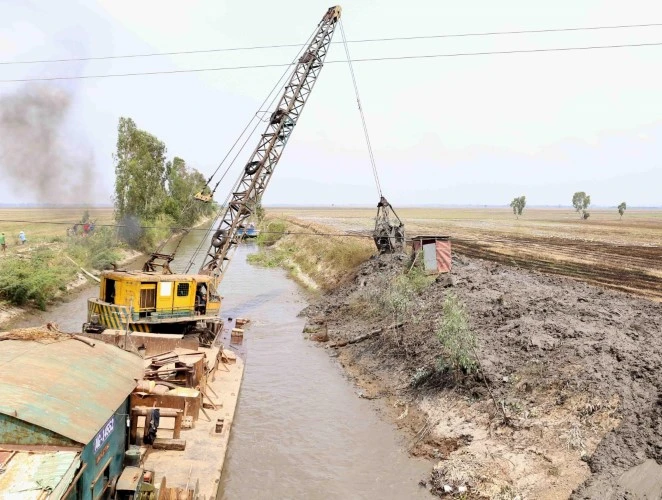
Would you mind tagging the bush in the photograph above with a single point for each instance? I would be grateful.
(399, 297)
(37, 278)
(96, 251)
(154, 231)
(457, 339)
(271, 232)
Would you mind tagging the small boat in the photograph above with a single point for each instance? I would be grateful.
(249, 232)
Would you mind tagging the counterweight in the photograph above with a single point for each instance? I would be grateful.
(262, 163)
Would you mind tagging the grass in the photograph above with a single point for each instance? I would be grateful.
(39, 271)
(45, 224)
(309, 253)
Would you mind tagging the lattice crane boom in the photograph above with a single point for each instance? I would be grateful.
(262, 163)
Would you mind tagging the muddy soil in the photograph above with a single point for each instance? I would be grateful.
(567, 400)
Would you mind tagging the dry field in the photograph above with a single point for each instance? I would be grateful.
(622, 254)
(43, 224)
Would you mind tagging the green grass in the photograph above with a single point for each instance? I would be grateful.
(94, 252)
(312, 257)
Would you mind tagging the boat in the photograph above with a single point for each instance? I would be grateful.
(249, 232)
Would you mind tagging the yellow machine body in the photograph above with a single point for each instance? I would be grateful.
(154, 302)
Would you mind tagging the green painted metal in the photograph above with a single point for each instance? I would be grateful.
(15, 431)
(67, 386)
(109, 452)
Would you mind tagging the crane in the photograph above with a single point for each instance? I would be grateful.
(261, 165)
(165, 302)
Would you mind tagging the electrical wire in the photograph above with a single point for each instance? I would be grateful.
(366, 40)
(365, 59)
(358, 102)
(178, 228)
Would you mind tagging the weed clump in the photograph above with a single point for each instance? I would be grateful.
(456, 338)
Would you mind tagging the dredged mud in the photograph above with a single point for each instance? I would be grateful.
(585, 341)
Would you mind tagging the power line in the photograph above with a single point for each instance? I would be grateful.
(366, 40)
(367, 59)
(176, 228)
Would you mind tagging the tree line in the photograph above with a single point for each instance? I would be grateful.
(580, 202)
(151, 191)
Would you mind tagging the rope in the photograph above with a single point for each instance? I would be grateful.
(358, 102)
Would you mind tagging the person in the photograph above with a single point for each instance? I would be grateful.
(3, 243)
(201, 299)
(21, 236)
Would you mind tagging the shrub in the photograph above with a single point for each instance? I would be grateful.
(36, 278)
(457, 339)
(96, 251)
(271, 232)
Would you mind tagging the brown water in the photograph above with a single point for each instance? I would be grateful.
(300, 430)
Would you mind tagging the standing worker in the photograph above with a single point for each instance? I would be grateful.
(21, 236)
(3, 243)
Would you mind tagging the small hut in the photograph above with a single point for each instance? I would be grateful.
(436, 253)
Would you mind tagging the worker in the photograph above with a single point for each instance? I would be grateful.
(22, 238)
(201, 299)
(3, 242)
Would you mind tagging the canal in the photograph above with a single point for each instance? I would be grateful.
(300, 430)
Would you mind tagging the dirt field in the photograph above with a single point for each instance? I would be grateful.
(58, 220)
(622, 254)
(573, 369)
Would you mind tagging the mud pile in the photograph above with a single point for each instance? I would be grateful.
(547, 345)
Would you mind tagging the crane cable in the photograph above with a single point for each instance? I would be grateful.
(358, 102)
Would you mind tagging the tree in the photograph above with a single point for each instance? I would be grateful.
(181, 184)
(140, 172)
(152, 192)
(518, 205)
(621, 209)
(581, 201)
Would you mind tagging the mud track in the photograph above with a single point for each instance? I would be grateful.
(636, 269)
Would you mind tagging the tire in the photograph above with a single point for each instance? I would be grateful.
(219, 238)
(252, 167)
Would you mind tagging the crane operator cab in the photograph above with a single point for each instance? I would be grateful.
(152, 302)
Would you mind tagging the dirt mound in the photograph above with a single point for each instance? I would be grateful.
(575, 367)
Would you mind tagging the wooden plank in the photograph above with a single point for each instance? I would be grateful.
(143, 411)
(169, 444)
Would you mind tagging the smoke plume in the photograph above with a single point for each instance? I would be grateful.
(38, 156)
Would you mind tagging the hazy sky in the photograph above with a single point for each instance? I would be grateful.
(460, 130)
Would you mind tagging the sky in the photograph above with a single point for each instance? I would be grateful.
(450, 130)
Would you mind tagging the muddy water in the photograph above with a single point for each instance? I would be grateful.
(300, 430)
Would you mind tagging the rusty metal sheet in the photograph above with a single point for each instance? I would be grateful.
(67, 386)
(29, 475)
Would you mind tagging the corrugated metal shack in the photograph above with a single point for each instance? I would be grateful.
(64, 393)
(436, 253)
